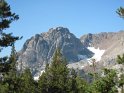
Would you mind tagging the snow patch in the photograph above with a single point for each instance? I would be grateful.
(97, 53)
(83, 61)
(36, 78)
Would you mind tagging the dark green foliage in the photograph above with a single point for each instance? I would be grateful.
(120, 60)
(9, 80)
(73, 88)
(4, 87)
(120, 12)
(4, 65)
(93, 73)
(55, 78)
(105, 84)
(7, 39)
(77, 84)
(27, 83)
(82, 85)
(6, 18)
(121, 82)
(8, 70)
(43, 84)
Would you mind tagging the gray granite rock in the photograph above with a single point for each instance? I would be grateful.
(111, 42)
(39, 49)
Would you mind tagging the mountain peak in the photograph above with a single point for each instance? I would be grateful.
(60, 28)
(39, 50)
(57, 33)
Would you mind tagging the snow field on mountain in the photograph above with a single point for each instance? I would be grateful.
(97, 53)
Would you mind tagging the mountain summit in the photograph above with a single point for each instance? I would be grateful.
(39, 49)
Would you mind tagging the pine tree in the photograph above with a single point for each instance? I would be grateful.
(76, 83)
(94, 74)
(9, 72)
(82, 85)
(8, 82)
(73, 82)
(105, 84)
(121, 82)
(55, 78)
(6, 18)
(43, 84)
(27, 83)
(120, 12)
(120, 60)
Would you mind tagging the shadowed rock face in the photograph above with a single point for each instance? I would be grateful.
(39, 49)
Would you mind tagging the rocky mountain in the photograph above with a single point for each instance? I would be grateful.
(111, 42)
(39, 49)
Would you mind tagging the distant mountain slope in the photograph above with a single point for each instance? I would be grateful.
(111, 42)
(39, 49)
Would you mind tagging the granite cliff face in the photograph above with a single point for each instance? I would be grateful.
(39, 49)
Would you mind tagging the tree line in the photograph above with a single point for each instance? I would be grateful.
(57, 78)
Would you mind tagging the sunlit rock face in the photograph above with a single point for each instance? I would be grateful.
(39, 49)
(112, 44)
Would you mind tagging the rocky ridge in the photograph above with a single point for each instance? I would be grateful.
(39, 49)
(111, 42)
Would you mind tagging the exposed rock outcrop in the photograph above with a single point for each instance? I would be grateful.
(39, 49)
(111, 42)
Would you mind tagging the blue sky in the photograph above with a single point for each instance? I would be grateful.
(80, 16)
